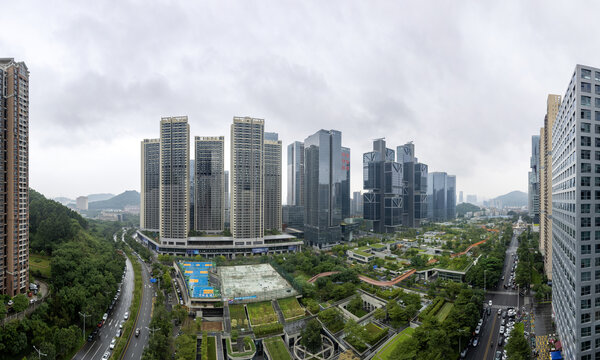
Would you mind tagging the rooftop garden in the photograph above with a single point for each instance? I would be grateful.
(291, 309)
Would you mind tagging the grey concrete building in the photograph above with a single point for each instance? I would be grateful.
(575, 229)
(534, 180)
(247, 178)
(209, 208)
(272, 174)
(174, 180)
(323, 177)
(295, 173)
(14, 179)
(383, 183)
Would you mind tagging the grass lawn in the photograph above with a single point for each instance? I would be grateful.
(238, 317)
(40, 263)
(276, 349)
(261, 313)
(212, 348)
(386, 351)
(444, 311)
(359, 313)
(290, 308)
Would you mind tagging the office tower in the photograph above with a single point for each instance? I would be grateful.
(450, 197)
(460, 197)
(552, 104)
(295, 173)
(174, 179)
(575, 230)
(323, 178)
(247, 178)
(192, 192)
(226, 197)
(534, 180)
(272, 187)
(382, 179)
(357, 208)
(293, 216)
(472, 199)
(150, 191)
(415, 186)
(346, 183)
(81, 203)
(437, 196)
(209, 210)
(14, 189)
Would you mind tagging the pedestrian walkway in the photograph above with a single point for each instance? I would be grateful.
(541, 346)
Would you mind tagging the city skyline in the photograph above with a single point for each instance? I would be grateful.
(384, 85)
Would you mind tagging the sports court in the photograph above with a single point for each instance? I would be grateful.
(196, 278)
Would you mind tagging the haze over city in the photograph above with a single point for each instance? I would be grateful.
(465, 82)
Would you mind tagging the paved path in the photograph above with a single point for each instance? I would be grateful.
(368, 280)
(278, 311)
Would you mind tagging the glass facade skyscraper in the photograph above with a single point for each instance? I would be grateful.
(534, 180)
(441, 196)
(415, 189)
(272, 174)
(323, 190)
(295, 174)
(150, 194)
(209, 210)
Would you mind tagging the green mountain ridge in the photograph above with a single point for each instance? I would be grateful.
(513, 199)
(118, 202)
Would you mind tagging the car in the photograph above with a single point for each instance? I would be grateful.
(180, 302)
(10, 302)
(137, 332)
(113, 342)
(100, 323)
(499, 311)
(31, 301)
(480, 322)
(476, 341)
(502, 278)
(490, 303)
(126, 316)
(503, 322)
(498, 355)
(501, 329)
(90, 337)
(106, 356)
(477, 330)
(500, 340)
(121, 324)
(489, 311)
(119, 332)
(463, 354)
(104, 317)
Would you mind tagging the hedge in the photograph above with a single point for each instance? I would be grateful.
(267, 329)
(247, 343)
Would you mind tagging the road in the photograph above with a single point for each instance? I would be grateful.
(501, 299)
(94, 350)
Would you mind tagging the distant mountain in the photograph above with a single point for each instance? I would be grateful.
(99, 197)
(512, 199)
(463, 208)
(63, 200)
(130, 197)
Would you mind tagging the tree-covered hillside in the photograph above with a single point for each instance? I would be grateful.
(129, 197)
(463, 208)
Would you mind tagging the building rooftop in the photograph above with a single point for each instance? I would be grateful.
(253, 283)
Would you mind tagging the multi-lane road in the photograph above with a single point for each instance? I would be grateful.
(95, 349)
(501, 299)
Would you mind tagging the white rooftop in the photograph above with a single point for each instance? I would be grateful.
(260, 282)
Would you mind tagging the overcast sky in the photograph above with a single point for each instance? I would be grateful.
(465, 81)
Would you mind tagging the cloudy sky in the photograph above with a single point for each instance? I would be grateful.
(465, 81)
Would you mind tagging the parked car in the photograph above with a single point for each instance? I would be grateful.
(113, 342)
(501, 329)
(10, 302)
(500, 340)
(119, 332)
(476, 341)
(477, 330)
(126, 316)
(499, 311)
(490, 303)
(105, 316)
(498, 355)
(463, 354)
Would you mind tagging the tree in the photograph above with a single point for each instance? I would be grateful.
(311, 336)
(20, 303)
(2, 311)
(355, 305)
(517, 346)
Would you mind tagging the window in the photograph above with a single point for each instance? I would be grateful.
(586, 331)
(585, 263)
(597, 261)
(586, 74)
(597, 221)
(597, 292)
(585, 235)
(597, 75)
(585, 208)
(585, 290)
(586, 114)
(597, 252)
(597, 102)
(597, 194)
(597, 303)
(586, 167)
(586, 357)
(586, 141)
(597, 89)
(597, 275)
(598, 115)
(585, 250)
(585, 318)
(586, 222)
(586, 276)
(586, 345)
(586, 154)
(597, 181)
(586, 87)
(586, 303)
(597, 127)
(586, 100)
(586, 195)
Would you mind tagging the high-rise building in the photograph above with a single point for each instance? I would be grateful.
(451, 197)
(575, 230)
(415, 186)
(81, 202)
(272, 187)
(209, 209)
(534, 180)
(346, 183)
(382, 179)
(295, 173)
(174, 179)
(437, 196)
(150, 193)
(226, 197)
(14, 186)
(357, 201)
(323, 177)
(552, 105)
(247, 178)
(293, 216)
(471, 199)
(460, 197)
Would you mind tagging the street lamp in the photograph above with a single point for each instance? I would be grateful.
(460, 331)
(152, 330)
(40, 353)
(484, 279)
(84, 316)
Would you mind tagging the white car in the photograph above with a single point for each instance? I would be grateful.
(490, 303)
(113, 342)
(501, 329)
(126, 316)
(105, 317)
(106, 356)
(121, 324)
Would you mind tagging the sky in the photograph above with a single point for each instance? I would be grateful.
(465, 81)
